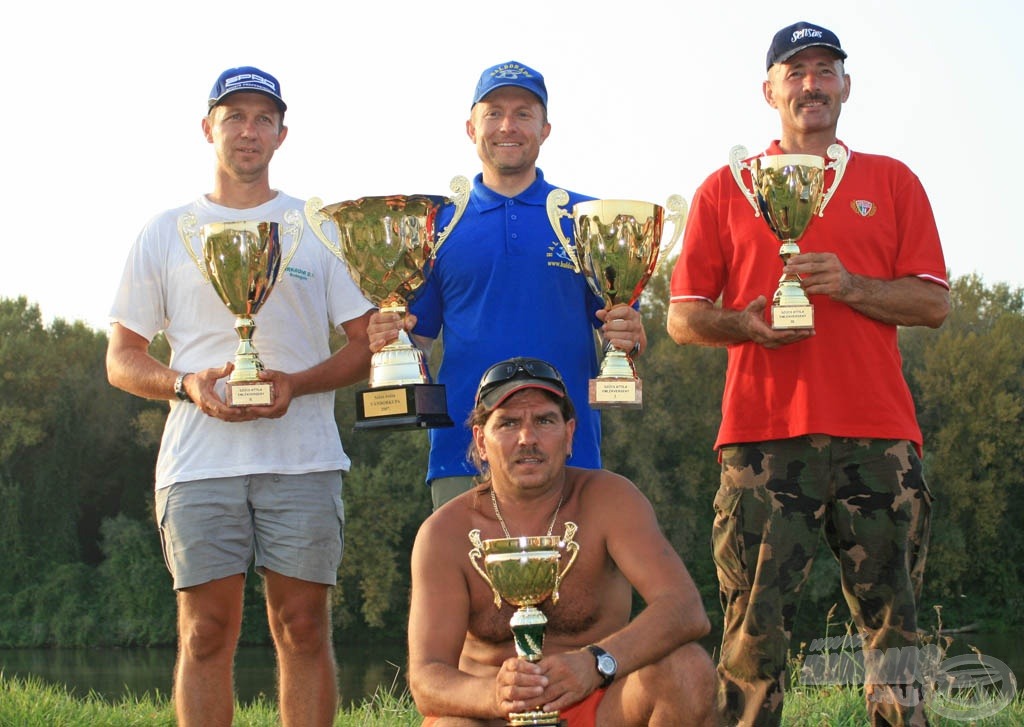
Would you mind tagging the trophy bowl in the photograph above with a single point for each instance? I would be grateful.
(525, 572)
(618, 244)
(788, 191)
(388, 243)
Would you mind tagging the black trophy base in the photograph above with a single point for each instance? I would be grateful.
(409, 406)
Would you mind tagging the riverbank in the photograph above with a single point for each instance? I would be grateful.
(31, 703)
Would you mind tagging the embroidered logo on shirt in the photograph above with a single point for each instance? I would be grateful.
(557, 256)
(863, 208)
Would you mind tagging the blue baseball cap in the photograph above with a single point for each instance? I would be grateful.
(246, 78)
(511, 73)
(794, 38)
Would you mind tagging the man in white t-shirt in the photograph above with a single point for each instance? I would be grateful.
(243, 484)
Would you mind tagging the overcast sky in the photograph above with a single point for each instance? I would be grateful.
(104, 102)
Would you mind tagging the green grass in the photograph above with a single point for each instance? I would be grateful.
(32, 703)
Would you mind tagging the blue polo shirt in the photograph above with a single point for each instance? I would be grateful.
(502, 286)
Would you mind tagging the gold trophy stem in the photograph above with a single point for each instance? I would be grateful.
(247, 361)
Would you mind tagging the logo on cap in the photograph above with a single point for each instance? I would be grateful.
(246, 78)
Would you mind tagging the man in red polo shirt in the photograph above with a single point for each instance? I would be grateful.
(819, 432)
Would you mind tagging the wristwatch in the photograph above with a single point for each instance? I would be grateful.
(606, 664)
(179, 387)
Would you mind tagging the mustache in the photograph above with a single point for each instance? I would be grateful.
(814, 97)
(530, 452)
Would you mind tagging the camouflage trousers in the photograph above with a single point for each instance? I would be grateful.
(868, 498)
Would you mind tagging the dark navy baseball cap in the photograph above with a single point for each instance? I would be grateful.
(511, 73)
(246, 78)
(794, 38)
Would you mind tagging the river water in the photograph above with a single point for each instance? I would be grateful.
(112, 673)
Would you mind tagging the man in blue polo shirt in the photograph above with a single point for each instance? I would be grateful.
(502, 286)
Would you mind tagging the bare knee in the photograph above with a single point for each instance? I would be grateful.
(301, 630)
(690, 683)
(206, 636)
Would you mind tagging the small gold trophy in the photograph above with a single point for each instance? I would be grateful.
(243, 262)
(524, 571)
(618, 244)
(788, 191)
(388, 244)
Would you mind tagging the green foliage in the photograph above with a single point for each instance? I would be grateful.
(82, 556)
(135, 585)
(968, 378)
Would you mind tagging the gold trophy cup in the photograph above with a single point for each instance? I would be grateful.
(788, 191)
(525, 572)
(388, 244)
(243, 262)
(618, 244)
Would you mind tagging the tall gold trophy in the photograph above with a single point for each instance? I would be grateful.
(618, 244)
(788, 191)
(243, 262)
(525, 571)
(388, 244)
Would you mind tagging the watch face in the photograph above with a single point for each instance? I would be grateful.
(606, 664)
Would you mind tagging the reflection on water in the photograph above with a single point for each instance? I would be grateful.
(112, 673)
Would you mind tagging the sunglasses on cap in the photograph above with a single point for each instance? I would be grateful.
(519, 368)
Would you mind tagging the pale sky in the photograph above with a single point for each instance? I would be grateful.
(646, 98)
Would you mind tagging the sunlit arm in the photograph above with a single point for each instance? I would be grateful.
(900, 302)
(132, 369)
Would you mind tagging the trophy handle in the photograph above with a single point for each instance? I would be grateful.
(574, 549)
(186, 231)
(677, 211)
(316, 220)
(837, 153)
(460, 188)
(478, 552)
(293, 227)
(557, 199)
(736, 156)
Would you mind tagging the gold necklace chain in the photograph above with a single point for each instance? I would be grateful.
(501, 520)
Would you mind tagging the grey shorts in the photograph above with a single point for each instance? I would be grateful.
(291, 524)
(444, 489)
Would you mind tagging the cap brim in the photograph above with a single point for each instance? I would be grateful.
(496, 86)
(496, 396)
(789, 54)
(276, 99)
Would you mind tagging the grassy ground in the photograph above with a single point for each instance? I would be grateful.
(31, 703)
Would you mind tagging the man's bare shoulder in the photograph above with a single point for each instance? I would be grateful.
(456, 517)
(601, 486)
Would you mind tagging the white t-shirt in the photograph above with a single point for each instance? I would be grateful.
(163, 289)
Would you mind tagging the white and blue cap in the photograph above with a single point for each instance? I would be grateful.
(246, 78)
(794, 38)
(511, 73)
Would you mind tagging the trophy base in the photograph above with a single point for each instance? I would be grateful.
(616, 393)
(792, 317)
(535, 719)
(412, 406)
(249, 393)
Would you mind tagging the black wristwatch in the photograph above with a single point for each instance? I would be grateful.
(179, 387)
(606, 664)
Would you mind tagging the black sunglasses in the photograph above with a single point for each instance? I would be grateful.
(499, 373)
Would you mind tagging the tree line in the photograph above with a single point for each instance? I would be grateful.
(83, 561)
